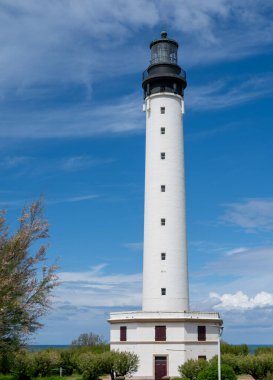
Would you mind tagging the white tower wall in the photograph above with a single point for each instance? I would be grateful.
(171, 273)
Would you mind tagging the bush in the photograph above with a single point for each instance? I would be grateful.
(257, 366)
(234, 361)
(6, 361)
(191, 368)
(211, 373)
(23, 366)
(125, 363)
(46, 362)
(67, 362)
(264, 350)
(227, 348)
(90, 366)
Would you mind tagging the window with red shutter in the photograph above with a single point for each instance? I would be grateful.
(160, 333)
(201, 333)
(123, 333)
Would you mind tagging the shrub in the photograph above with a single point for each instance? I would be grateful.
(6, 361)
(191, 368)
(257, 366)
(46, 362)
(67, 362)
(231, 360)
(90, 366)
(211, 373)
(125, 363)
(264, 350)
(23, 366)
(227, 348)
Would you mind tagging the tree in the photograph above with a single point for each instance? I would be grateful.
(88, 339)
(26, 280)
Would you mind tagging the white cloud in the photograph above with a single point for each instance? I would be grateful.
(83, 162)
(124, 116)
(138, 246)
(78, 42)
(241, 301)
(95, 288)
(252, 215)
(224, 93)
(79, 198)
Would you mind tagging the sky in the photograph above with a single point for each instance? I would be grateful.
(72, 129)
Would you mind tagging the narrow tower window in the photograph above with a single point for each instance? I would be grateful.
(162, 131)
(201, 333)
(163, 188)
(123, 333)
(163, 221)
(162, 155)
(163, 291)
(160, 333)
(162, 109)
(163, 256)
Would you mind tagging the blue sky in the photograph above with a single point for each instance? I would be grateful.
(72, 128)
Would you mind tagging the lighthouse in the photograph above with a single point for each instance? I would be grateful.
(165, 333)
(165, 273)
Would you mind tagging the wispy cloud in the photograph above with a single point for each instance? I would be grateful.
(229, 93)
(97, 288)
(12, 162)
(134, 246)
(80, 198)
(49, 201)
(83, 162)
(123, 116)
(252, 215)
(64, 42)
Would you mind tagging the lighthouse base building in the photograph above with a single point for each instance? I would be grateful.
(164, 340)
(165, 334)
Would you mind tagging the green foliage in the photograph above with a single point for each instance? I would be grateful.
(26, 282)
(191, 368)
(6, 361)
(264, 350)
(227, 348)
(90, 366)
(257, 366)
(211, 373)
(67, 362)
(46, 362)
(6, 377)
(23, 366)
(88, 339)
(125, 363)
(234, 361)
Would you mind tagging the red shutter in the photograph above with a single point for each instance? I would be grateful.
(160, 333)
(201, 333)
(123, 333)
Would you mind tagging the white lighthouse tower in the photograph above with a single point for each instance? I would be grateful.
(165, 333)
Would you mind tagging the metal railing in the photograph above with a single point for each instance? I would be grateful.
(145, 74)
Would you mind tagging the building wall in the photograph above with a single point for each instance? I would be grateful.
(170, 239)
(181, 342)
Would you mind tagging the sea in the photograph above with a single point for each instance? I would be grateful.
(38, 347)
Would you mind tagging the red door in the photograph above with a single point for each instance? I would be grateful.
(160, 367)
